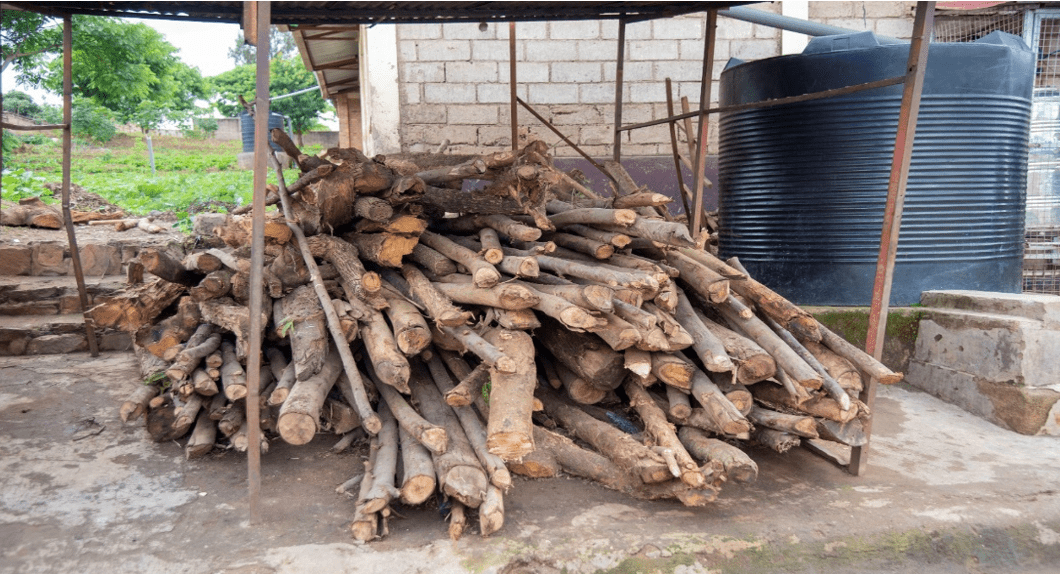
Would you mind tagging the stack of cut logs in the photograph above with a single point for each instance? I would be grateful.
(526, 326)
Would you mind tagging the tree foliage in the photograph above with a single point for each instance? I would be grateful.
(281, 45)
(24, 37)
(21, 103)
(285, 76)
(127, 68)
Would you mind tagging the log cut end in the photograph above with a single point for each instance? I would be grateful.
(486, 277)
(467, 484)
(417, 489)
(510, 445)
(297, 428)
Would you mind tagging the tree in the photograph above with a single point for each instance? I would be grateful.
(21, 103)
(127, 68)
(285, 76)
(281, 45)
(23, 37)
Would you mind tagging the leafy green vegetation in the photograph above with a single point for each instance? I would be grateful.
(21, 184)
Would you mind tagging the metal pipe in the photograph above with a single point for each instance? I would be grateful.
(676, 151)
(892, 214)
(263, 17)
(68, 222)
(619, 78)
(566, 140)
(793, 24)
(512, 86)
(695, 219)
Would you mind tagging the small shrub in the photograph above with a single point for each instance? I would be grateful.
(92, 122)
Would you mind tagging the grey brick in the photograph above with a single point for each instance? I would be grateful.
(419, 31)
(412, 93)
(495, 50)
(677, 28)
(462, 72)
(498, 93)
(761, 31)
(445, 50)
(653, 50)
(576, 72)
(595, 135)
(495, 136)
(531, 72)
(473, 114)
(888, 9)
(596, 93)
(647, 92)
(425, 114)
(895, 27)
(633, 149)
(631, 72)
(524, 31)
(423, 72)
(754, 49)
(407, 50)
(635, 113)
(823, 10)
(553, 93)
(858, 24)
(457, 135)
(568, 115)
(597, 50)
(678, 71)
(731, 29)
(573, 30)
(650, 135)
(468, 31)
(551, 50)
(449, 93)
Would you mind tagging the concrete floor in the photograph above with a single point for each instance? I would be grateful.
(944, 492)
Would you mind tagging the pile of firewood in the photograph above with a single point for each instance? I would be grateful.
(527, 326)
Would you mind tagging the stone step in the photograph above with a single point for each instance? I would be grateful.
(53, 295)
(1034, 306)
(54, 334)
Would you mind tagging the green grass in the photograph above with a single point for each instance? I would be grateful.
(192, 175)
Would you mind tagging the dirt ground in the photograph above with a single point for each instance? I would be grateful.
(944, 492)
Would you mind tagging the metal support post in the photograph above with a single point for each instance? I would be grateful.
(695, 218)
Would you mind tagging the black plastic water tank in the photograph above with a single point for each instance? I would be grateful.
(803, 186)
(246, 126)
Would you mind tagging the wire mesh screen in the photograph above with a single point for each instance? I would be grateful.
(1041, 253)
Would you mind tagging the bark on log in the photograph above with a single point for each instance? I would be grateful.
(753, 363)
(803, 426)
(738, 394)
(827, 382)
(491, 512)
(569, 314)
(373, 209)
(136, 307)
(593, 297)
(484, 274)
(680, 407)
(439, 307)
(284, 373)
(699, 277)
(592, 247)
(578, 389)
(472, 341)
(216, 284)
(410, 328)
(459, 473)
(866, 363)
(31, 214)
(510, 434)
(164, 337)
(618, 334)
(842, 370)
(345, 257)
(738, 466)
(162, 265)
(299, 418)
(491, 245)
(203, 383)
(709, 348)
(365, 524)
(557, 453)
(432, 436)
(202, 343)
(785, 357)
(638, 362)
(202, 438)
(618, 240)
(226, 314)
(307, 332)
(432, 261)
(135, 406)
(659, 429)
(505, 296)
(584, 354)
(779, 441)
(233, 378)
(464, 393)
(817, 405)
(726, 419)
(521, 320)
(202, 262)
(850, 433)
(501, 223)
(418, 478)
(386, 249)
(384, 468)
(673, 369)
(389, 364)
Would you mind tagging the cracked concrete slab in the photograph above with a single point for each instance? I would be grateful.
(945, 491)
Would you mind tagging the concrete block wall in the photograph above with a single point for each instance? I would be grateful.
(454, 77)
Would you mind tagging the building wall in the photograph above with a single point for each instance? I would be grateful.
(453, 78)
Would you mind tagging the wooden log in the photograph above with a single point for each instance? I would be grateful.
(373, 209)
(160, 264)
(753, 363)
(136, 307)
(457, 520)
(186, 416)
(638, 280)
(830, 385)
(387, 360)
(386, 249)
(202, 262)
(202, 343)
(638, 362)
(218, 407)
(709, 348)
(491, 512)
(365, 524)
(31, 213)
(593, 297)
(299, 418)
(659, 231)
(644, 464)
(842, 370)
(676, 335)
(850, 433)
(569, 314)
(738, 466)
(556, 453)
(203, 384)
(509, 430)
(439, 307)
(345, 257)
(464, 393)
(307, 332)
(673, 369)
(472, 341)
(484, 274)
(737, 393)
(778, 441)
(510, 296)
(165, 337)
(699, 277)
(726, 419)
(662, 433)
(785, 357)
(588, 215)
(818, 405)
(520, 320)
(384, 468)
(617, 240)
(234, 318)
(284, 373)
(411, 332)
(491, 245)
(432, 436)
(432, 261)
(203, 437)
(135, 406)
(418, 478)
(214, 285)
(618, 333)
(578, 389)
(313, 175)
(581, 244)
(233, 378)
(339, 418)
(679, 407)
(870, 368)
(500, 223)
(459, 473)
(803, 426)
(584, 354)
(472, 425)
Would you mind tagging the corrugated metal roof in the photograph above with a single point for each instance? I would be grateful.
(302, 13)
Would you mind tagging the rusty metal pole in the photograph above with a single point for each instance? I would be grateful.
(68, 222)
(892, 213)
(674, 149)
(512, 85)
(695, 218)
(620, 67)
(257, 258)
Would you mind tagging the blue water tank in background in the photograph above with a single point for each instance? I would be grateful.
(246, 125)
(803, 186)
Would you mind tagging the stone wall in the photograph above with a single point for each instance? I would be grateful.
(454, 77)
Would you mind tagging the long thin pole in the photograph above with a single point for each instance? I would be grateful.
(696, 217)
(257, 259)
(68, 222)
(512, 85)
(620, 68)
(892, 213)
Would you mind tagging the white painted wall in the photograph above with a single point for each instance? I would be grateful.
(381, 104)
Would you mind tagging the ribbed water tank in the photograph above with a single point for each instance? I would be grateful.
(246, 125)
(802, 187)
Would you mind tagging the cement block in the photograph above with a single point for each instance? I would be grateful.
(412, 94)
(754, 49)
(553, 93)
(445, 50)
(422, 73)
(524, 31)
(426, 114)
(16, 260)
(551, 50)
(894, 27)
(888, 9)
(448, 93)
(677, 28)
(1034, 306)
(419, 31)
(495, 51)
(407, 50)
(678, 71)
(822, 10)
(653, 50)
(463, 72)
(603, 50)
(648, 92)
(468, 31)
(497, 93)
(573, 30)
(473, 114)
(567, 72)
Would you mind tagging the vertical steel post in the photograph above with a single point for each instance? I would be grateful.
(892, 214)
(620, 66)
(512, 86)
(695, 219)
(257, 258)
(68, 222)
